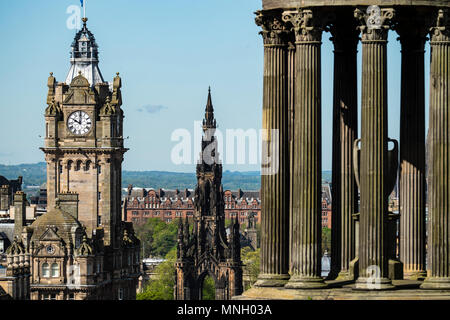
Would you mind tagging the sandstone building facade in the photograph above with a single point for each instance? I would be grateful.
(80, 248)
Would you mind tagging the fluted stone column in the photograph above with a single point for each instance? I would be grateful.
(373, 258)
(345, 129)
(305, 254)
(291, 106)
(412, 147)
(439, 215)
(275, 184)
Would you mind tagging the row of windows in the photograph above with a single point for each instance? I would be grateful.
(77, 167)
(52, 296)
(167, 214)
(52, 271)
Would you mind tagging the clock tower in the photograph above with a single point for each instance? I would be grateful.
(84, 140)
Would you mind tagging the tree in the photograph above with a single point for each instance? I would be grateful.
(208, 289)
(251, 261)
(326, 240)
(157, 237)
(162, 287)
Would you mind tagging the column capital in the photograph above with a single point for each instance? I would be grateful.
(274, 31)
(375, 23)
(344, 36)
(306, 24)
(440, 31)
(412, 28)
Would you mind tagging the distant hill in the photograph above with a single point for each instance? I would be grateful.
(35, 175)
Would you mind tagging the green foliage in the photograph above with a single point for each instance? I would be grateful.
(209, 289)
(162, 287)
(251, 261)
(326, 240)
(157, 237)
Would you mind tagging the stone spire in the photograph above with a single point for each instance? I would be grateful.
(209, 122)
(84, 57)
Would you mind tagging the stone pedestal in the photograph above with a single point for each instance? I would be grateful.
(439, 215)
(305, 231)
(373, 260)
(275, 180)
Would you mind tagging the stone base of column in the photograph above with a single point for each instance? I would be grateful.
(434, 283)
(272, 280)
(301, 282)
(415, 275)
(367, 284)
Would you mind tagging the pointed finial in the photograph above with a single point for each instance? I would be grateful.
(51, 74)
(117, 73)
(79, 73)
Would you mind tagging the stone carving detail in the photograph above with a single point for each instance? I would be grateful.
(53, 109)
(441, 31)
(374, 24)
(307, 26)
(108, 108)
(274, 31)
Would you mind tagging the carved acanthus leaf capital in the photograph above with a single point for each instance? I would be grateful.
(274, 31)
(307, 26)
(440, 32)
(375, 23)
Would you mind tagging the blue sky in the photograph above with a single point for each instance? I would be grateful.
(168, 53)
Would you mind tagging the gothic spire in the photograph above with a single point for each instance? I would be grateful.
(209, 122)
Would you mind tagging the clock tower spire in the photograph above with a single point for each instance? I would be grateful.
(84, 139)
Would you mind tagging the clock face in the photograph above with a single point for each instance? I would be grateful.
(79, 123)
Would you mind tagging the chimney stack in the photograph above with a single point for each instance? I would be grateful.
(69, 203)
(20, 218)
(4, 197)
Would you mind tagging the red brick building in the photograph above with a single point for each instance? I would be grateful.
(140, 204)
(326, 206)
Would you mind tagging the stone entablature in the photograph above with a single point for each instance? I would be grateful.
(275, 4)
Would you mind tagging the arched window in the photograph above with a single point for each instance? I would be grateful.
(45, 270)
(55, 270)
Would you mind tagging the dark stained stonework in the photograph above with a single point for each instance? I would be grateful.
(365, 249)
(275, 185)
(345, 130)
(439, 275)
(412, 138)
(305, 226)
(207, 250)
(374, 160)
